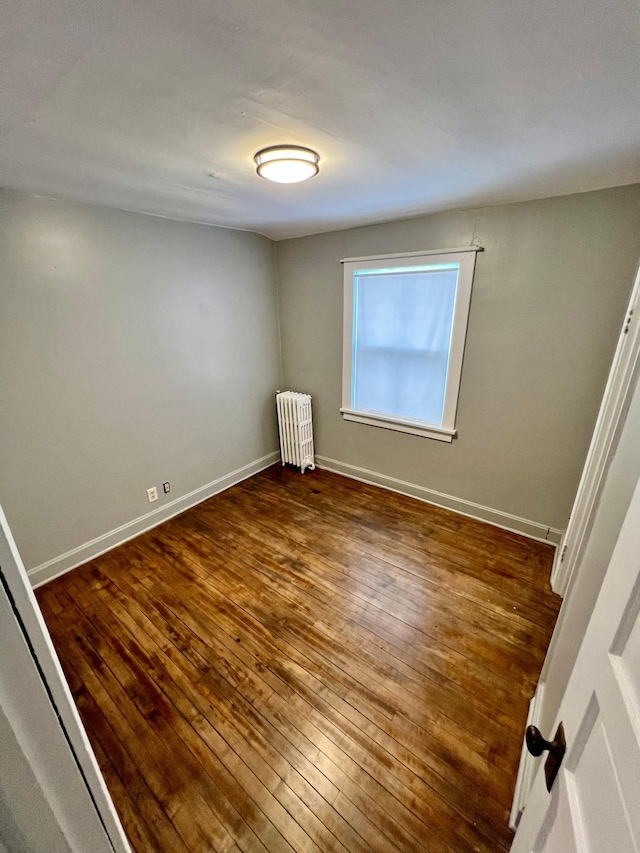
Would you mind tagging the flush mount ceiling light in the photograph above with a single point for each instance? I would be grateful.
(287, 164)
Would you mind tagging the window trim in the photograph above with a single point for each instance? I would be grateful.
(445, 431)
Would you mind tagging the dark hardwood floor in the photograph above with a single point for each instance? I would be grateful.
(307, 663)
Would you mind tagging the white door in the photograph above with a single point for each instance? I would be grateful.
(594, 804)
(50, 783)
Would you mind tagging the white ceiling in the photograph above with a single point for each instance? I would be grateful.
(413, 105)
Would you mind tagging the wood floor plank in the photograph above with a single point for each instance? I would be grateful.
(495, 649)
(390, 705)
(286, 676)
(301, 676)
(463, 671)
(244, 727)
(153, 748)
(513, 563)
(322, 590)
(307, 663)
(154, 622)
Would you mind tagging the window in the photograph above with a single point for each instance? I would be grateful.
(405, 322)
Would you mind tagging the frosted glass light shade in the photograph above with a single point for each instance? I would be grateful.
(287, 164)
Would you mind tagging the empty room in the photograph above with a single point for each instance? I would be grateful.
(319, 427)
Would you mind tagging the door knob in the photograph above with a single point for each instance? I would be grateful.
(557, 747)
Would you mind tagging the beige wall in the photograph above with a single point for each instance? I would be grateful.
(549, 296)
(133, 350)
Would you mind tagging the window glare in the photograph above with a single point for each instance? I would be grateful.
(402, 331)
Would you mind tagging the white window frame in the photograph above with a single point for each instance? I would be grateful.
(466, 257)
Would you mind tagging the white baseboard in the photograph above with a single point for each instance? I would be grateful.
(89, 550)
(505, 520)
(83, 553)
(528, 763)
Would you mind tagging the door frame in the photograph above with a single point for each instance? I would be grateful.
(595, 689)
(26, 608)
(625, 368)
(604, 441)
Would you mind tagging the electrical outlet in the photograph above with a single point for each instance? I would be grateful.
(166, 488)
(152, 494)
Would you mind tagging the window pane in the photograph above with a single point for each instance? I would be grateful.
(402, 334)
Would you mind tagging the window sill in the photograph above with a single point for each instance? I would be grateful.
(398, 424)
